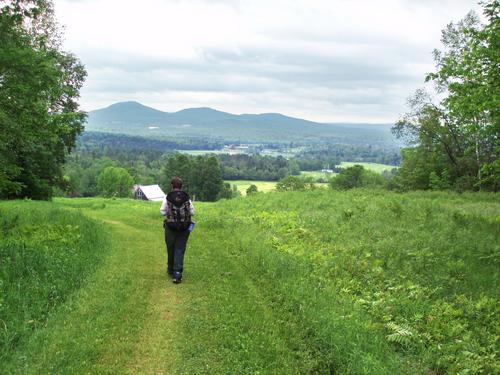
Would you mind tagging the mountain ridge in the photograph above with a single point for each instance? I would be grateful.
(134, 118)
(213, 110)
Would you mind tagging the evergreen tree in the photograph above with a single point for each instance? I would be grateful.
(211, 181)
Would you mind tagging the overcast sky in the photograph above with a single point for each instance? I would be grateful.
(323, 60)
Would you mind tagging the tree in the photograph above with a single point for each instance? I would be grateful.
(39, 88)
(182, 166)
(201, 175)
(459, 134)
(115, 182)
(348, 178)
(211, 178)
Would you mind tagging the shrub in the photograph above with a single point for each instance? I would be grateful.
(295, 183)
(357, 177)
(252, 189)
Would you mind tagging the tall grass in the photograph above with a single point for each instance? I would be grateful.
(378, 282)
(45, 254)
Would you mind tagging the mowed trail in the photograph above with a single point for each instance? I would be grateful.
(138, 236)
(130, 318)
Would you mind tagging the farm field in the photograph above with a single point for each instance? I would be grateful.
(360, 282)
(262, 186)
(375, 167)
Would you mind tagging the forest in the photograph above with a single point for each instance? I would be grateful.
(148, 161)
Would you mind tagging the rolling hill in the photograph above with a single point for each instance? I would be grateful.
(134, 118)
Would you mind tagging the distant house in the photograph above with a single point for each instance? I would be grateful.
(236, 149)
(148, 192)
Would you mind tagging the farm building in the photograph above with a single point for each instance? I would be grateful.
(148, 192)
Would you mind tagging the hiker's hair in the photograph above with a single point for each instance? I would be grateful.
(176, 183)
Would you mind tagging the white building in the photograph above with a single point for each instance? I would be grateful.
(149, 192)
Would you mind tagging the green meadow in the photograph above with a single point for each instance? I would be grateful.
(314, 282)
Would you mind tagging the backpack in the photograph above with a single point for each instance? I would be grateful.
(178, 213)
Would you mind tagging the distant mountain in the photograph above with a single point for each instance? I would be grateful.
(136, 119)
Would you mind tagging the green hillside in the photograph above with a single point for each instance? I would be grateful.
(357, 282)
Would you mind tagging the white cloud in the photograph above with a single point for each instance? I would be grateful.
(325, 60)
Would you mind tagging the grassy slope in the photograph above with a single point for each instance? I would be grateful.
(418, 272)
(286, 283)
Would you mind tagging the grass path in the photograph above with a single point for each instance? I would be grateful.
(106, 326)
(130, 318)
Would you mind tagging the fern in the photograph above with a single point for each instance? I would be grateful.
(401, 334)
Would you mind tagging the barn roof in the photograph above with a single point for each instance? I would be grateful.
(152, 192)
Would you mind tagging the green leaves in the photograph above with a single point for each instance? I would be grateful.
(38, 100)
(401, 334)
(115, 182)
(456, 138)
(201, 176)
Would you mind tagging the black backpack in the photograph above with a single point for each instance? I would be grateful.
(179, 210)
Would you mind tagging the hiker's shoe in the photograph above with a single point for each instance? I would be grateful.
(176, 277)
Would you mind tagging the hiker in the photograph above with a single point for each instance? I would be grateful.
(177, 209)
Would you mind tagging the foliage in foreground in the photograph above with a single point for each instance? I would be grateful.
(456, 139)
(39, 88)
(378, 282)
(45, 254)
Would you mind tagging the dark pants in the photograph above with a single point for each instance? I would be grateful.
(176, 247)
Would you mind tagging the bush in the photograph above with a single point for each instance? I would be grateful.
(252, 189)
(357, 177)
(295, 183)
